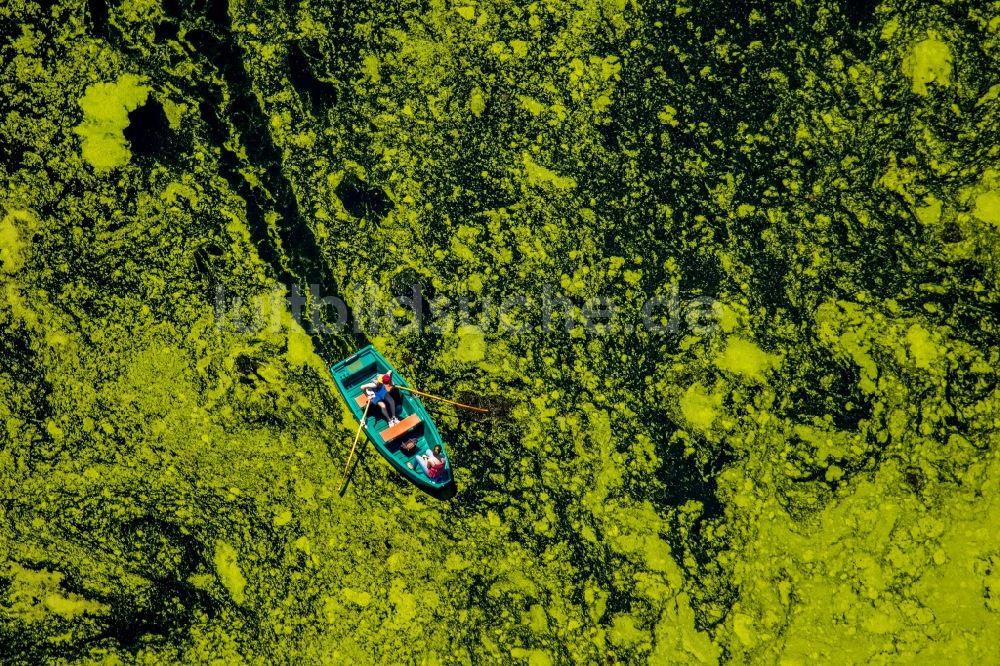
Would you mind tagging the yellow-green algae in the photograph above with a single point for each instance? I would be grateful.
(228, 569)
(811, 478)
(11, 245)
(929, 61)
(745, 358)
(988, 207)
(105, 109)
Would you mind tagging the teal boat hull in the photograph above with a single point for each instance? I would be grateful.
(365, 366)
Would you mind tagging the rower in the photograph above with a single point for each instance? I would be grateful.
(379, 392)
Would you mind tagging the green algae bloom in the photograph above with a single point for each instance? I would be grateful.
(105, 114)
(930, 61)
(726, 277)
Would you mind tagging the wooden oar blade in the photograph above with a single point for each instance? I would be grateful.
(497, 406)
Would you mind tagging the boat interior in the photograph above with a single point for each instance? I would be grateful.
(410, 425)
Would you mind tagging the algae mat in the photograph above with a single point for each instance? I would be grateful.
(728, 270)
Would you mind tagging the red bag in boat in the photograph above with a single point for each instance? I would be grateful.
(435, 471)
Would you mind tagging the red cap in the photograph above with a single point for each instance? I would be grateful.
(387, 378)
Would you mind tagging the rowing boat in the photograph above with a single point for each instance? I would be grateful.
(366, 366)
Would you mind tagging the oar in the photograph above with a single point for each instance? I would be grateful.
(450, 402)
(361, 427)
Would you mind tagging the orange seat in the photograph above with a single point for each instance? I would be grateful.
(395, 431)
